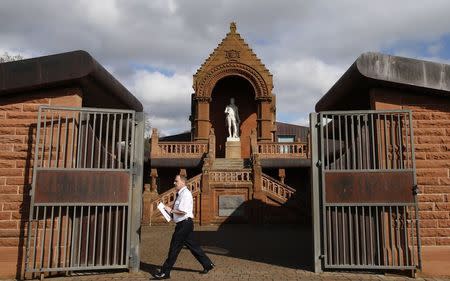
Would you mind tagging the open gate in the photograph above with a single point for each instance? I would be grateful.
(364, 191)
(85, 196)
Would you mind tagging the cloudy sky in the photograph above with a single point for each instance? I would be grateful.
(155, 46)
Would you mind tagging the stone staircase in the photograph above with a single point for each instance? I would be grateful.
(230, 164)
(236, 173)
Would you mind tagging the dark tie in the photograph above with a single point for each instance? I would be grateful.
(176, 196)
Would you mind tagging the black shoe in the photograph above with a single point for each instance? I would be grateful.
(207, 269)
(162, 275)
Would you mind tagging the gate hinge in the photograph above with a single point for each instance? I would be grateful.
(322, 257)
(319, 163)
(416, 189)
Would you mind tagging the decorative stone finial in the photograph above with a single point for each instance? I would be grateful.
(233, 27)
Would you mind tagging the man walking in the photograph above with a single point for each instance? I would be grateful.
(182, 213)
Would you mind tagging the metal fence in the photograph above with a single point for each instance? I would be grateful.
(81, 191)
(369, 214)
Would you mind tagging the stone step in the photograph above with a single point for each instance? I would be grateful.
(230, 164)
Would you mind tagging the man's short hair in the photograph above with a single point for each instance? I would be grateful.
(183, 178)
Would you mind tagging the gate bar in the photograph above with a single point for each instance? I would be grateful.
(315, 192)
(366, 134)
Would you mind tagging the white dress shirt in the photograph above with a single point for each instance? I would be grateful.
(184, 203)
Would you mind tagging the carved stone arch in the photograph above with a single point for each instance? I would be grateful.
(207, 84)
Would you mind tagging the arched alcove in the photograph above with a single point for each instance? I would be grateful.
(242, 91)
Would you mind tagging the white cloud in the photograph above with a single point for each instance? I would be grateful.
(100, 13)
(305, 44)
(169, 126)
(166, 99)
(157, 87)
(300, 83)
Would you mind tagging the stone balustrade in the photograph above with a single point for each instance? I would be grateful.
(181, 149)
(230, 176)
(276, 188)
(283, 149)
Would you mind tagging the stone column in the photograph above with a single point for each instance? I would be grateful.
(154, 149)
(254, 141)
(202, 119)
(265, 120)
(154, 176)
(149, 195)
(258, 196)
(282, 174)
(212, 145)
(206, 204)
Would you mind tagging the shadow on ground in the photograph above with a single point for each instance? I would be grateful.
(287, 246)
(282, 245)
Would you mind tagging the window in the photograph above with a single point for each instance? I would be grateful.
(286, 138)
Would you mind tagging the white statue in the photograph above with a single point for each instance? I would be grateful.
(232, 119)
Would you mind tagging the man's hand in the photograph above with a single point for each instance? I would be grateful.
(168, 209)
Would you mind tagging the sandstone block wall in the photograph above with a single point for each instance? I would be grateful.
(431, 123)
(18, 120)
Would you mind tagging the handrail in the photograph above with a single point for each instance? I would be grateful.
(277, 188)
(283, 149)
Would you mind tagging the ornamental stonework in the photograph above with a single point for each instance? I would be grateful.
(232, 55)
(207, 83)
(202, 98)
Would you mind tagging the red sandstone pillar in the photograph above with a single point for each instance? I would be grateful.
(154, 149)
(282, 174)
(206, 202)
(265, 121)
(202, 119)
(258, 196)
(212, 145)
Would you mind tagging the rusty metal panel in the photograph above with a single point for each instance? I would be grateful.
(77, 186)
(369, 187)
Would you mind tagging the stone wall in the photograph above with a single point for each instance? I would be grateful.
(431, 121)
(18, 120)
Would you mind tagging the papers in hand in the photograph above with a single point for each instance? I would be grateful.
(163, 211)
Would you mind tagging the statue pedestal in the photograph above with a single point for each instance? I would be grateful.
(233, 148)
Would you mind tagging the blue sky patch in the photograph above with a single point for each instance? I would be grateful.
(439, 48)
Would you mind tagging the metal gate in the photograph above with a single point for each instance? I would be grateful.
(364, 188)
(81, 197)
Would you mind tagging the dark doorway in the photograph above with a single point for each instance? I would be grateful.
(242, 91)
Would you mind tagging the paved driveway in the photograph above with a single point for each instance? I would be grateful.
(240, 252)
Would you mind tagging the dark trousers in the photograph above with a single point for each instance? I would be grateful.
(183, 235)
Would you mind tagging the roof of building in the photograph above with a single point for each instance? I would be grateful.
(60, 69)
(300, 132)
(375, 69)
(185, 136)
